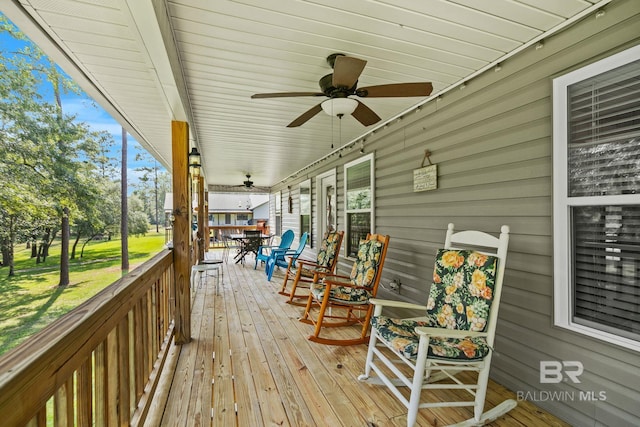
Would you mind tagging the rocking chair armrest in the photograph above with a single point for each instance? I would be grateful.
(397, 304)
(312, 265)
(308, 262)
(344, 281)
(448, 333)
(337, 279)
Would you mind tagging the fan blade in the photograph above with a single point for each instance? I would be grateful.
(396, 89)
(346, 71)
(302, 119)
(285, 94)
(365, 115)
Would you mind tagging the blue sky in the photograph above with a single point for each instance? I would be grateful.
(89, 112)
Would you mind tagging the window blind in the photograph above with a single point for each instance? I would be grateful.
(359, 204)
(604, 160)
(604, 133)
(359, 186)
(607, 267)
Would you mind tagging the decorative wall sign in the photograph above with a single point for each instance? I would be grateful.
(425, 178)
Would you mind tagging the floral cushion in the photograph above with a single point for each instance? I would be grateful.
(462, 290)
(327, 252)
(401, 336)
(459, 298)
(363, 274)
(364, 269)
(325, 257)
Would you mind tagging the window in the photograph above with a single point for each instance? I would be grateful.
(305, 207)
(278, 208)
(358, 184)
(597, 199)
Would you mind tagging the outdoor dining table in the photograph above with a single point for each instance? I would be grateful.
(242, 239)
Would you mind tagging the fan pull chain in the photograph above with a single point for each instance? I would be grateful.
(332, 126)
(340, 132)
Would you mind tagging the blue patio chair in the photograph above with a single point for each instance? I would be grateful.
(264, 251)
(278, 256)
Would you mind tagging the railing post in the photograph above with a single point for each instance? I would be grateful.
(181, 230)
(203, 237)
(207, 233)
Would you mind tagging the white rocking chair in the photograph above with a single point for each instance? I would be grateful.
(456, 335)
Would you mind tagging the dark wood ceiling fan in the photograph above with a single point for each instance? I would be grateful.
(247, 186)
(342, 85)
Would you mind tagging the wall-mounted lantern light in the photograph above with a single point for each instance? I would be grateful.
(194, 162)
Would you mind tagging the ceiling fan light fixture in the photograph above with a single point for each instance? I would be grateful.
(339, 106)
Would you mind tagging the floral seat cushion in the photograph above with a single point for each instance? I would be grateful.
(460, 298)
(310, 272)
(401, 336)
(363, 274)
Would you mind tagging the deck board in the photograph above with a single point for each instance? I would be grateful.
(260, 351)
(199, 410)
(245, 390)
(266, 368)
(223, 409)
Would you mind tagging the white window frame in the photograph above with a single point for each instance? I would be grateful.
(323, 181)
(371, 210)
(277, 212)
(563, 258)
(305, 184)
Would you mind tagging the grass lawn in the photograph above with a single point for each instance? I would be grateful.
(31, 299)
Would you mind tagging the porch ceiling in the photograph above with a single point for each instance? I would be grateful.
(150, 62)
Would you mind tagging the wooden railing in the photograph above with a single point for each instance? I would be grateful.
(100, 363)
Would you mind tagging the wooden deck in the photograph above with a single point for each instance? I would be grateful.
(250, 364)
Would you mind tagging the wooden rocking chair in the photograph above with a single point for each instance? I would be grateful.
(341, 299)
(456, 335)
(303, 272)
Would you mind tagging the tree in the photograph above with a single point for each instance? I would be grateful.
(152, 187)
(45, 153)
(71, 147)
(124, 234)
(137, 217)
(58, 176)
(105, 216)
(23, 115)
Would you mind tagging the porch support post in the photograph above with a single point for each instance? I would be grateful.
(181, 230)
(207, 232)
(203, 238)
